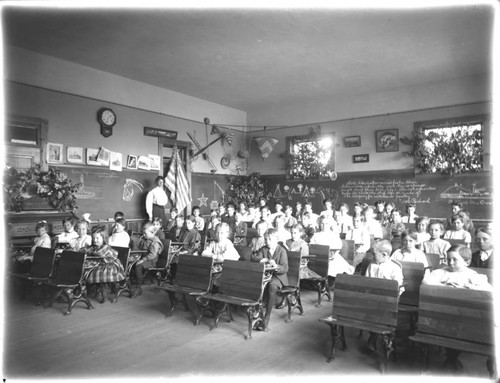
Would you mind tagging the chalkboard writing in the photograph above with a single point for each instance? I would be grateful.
(403, 191)
(432, 193)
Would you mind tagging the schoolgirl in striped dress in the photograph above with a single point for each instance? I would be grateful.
(110, 269)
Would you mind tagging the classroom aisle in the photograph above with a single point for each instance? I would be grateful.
(132, 338)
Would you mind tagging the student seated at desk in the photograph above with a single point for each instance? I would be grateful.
(257, 242)
(176, 231)
(361, 238)
(457, 231)
(214, 221)
(408, 252)
(117, 215)
(290, 220)
(22, 263)
(153, 245)
(373, 226)
(275, 256)
(83, 241)
(200, 221)
(383, 266)
(410, 216)
(220, 249)
(483, 258)
(423, 235)
(110, 271)
(69, 232)
(457, 274)
(337, 264)
(171, 222)
(158, 223)
(436, 245)
(296, 243)
(120, 236)
(279, 225)
(240, 230)
(190, 238)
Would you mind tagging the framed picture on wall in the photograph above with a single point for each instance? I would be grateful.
(92, 156)
(131, 162)
(387, 140)
(352, 141)
(54, 153)
(74, 155)
(144, 162)
(155, 161)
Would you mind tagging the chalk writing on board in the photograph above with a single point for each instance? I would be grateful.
(459, 192)
(400, 190)
(128, 189)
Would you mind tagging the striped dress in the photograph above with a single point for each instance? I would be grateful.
(111, 271)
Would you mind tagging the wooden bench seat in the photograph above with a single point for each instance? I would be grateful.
(193, 277)
(455, 318)
(319, 264)
(369, 304)
(241, 284)
(413, 274)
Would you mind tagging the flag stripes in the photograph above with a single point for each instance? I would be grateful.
(177, 183)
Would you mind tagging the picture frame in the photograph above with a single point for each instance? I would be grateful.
(115, 161)
(92, 154)
(131, 162)
(360, 158)
(144, 162)
(74, 155)
(155, 161)
(387, 140)
(54, 153)
(103, 156)
(352, 141)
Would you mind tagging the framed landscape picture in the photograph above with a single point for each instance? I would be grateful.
(352, 141)
(75, 155)
(387, 140)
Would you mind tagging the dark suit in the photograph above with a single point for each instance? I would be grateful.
(476, 261)
(280, 277)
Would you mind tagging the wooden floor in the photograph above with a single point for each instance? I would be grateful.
(133, 338)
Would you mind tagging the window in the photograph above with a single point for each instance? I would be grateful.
(311, 156)
(448, 146)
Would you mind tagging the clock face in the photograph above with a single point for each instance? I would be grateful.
(108, 117)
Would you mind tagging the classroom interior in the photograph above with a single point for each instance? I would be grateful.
(256, 75)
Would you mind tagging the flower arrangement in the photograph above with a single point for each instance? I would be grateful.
(248, 189)
(52, 185)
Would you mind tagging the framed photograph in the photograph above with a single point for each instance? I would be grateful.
(54, 153)
(131, 162)
(144, 162)
(359, 158)
(352, 141)
(387, 140)
(155, 161)
(115, 161)
(74, 155)
(92, 157)
(103, 156)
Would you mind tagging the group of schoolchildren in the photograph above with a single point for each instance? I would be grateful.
(383, 237)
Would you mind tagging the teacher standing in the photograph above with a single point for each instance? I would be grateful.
(157, 200)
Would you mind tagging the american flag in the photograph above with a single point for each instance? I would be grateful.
(177, 183)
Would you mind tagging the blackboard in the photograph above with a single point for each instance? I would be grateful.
(104, 191)
(208, 190)
(432, 193)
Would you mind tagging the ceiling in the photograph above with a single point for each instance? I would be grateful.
(251, 59)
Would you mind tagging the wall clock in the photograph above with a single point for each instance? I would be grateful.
(107, 119)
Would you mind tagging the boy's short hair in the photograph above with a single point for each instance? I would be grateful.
(214, 217)
(438, 223)
(119, 214)
(457, 217)
(68, 219)
(343, 204)
(148, 226)
(410, 204)
(412, 233)
(326, 200)
(278, 202)
(297, 226)
(288, 207)
(308, 203)
(396, 211)
(191, 218)
(230, 204)
(457, 203)
(195, 208)
(463, 250)
(382, 246)
(390, 203)
(422, 218)
(485, 230)
(279, 218)
(271, 232)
